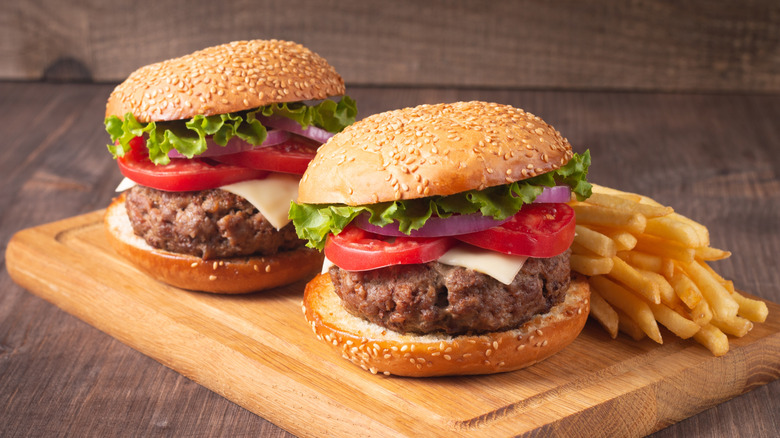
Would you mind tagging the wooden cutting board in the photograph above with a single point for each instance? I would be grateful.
(257, 351)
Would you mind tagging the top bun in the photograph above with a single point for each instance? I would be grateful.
(432, 150)
(232, 77)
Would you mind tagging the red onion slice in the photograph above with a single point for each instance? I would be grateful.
(291, 125)
(236, 144)
(434, 226)
(555, 194)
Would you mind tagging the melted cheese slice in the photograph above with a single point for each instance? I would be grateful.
(125, 184)
(271, 196)
(502, 267)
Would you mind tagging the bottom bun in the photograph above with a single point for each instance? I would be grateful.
(380, 350)
(235, 275)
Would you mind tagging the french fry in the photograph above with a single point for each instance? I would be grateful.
(624, 241)
(726, 283)
(663, 248)
(576, 248)
(686, 289)
(615, 192)
(665, 289)
(711, 254)
(670, 229)
(588, 214)
(594, 241)
(676, 323)
(701, 230)
(722, 304)
(648, 262)
(634, 307)
(604, 314)
(648, 266)
(622, 203)
(754, 310)
(629, 326)
(736, 326)
(714, 339)
(626, 274)
(588, 265)
(701, 314)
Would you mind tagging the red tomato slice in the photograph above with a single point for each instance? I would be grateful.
(357, 250)
(290, 156)
(181, 174)
(537, 230)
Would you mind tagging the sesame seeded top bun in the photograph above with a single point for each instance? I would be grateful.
(432, 150)
(231, 77)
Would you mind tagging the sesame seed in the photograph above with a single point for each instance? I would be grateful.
(212, 277)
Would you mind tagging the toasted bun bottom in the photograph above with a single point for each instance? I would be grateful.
(225, 276)
(379, 350)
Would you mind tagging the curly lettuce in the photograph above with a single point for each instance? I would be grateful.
(189, 136)
(313, 222)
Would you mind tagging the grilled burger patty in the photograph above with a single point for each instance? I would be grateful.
(434, 297)
(208, 224)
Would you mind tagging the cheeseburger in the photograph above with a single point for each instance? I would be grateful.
(212, 146)
(446, 235)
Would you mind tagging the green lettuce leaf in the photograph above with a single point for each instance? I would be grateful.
(313, 222)
(189, 136)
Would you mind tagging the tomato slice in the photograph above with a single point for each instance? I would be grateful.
(357, 250)
(181, 174)
(537, 230)
(290, 156)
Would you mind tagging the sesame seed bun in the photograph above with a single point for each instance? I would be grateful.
(231, 77)
(225, 276)
(379, 350)
(432, 150)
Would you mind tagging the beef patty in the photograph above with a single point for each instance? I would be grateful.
(208, 224)
(434, 297)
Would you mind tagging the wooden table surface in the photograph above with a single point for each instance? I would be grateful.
(712, 157)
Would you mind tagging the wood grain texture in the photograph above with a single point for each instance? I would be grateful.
(257, 351)
(649, 45)
(713, 157)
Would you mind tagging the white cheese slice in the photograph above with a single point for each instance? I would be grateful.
(326, 264)
(502, 267)
(271, 196)
(125, 184)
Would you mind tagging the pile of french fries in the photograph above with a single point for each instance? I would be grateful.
(647, 265)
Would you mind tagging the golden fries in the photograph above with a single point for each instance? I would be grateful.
(648, 266)
(633, 306)
(714, 339)
(723, 305)
(595, 241)
(604, 313)
(620, 203)
(709, 254)
(685, 288)
(751, 309)
(589, 265)
(648, 262)
(605, 217)
(626, 274)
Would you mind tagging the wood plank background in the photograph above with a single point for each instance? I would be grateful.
(714, 157)
(665, 45)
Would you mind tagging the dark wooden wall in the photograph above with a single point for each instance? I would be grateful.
(666, 45)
